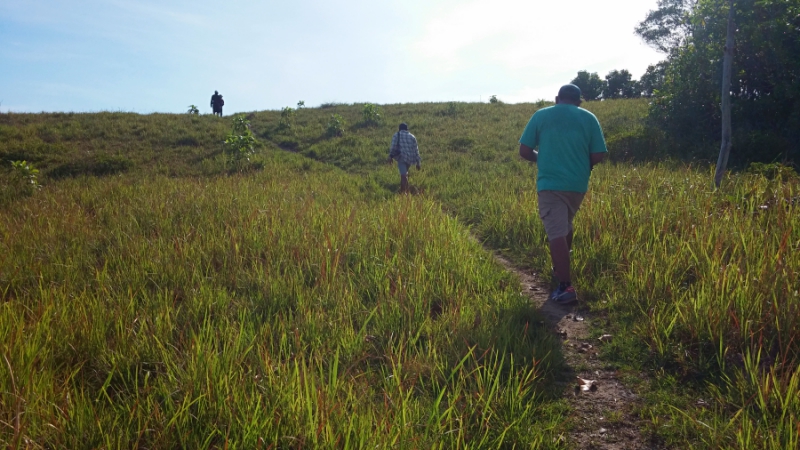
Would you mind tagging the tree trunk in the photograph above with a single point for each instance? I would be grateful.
(727, 65)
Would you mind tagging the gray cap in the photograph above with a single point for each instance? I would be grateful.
(570, 92)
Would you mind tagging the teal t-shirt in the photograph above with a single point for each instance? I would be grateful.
(565, 135)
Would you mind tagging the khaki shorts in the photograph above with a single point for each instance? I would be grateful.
(557, 209)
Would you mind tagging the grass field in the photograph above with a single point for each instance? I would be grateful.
(293, 300)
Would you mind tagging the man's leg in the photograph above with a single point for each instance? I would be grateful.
(403, 169)
(556, 210)
(559, 252)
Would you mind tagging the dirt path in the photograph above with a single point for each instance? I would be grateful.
(602, 416)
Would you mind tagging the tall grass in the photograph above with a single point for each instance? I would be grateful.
(255, 311)
(301, 303)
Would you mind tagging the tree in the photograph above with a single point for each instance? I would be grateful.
(669, 26)
(765, 89)
(725, 147)
(619, 84)
(590, 84)
(653, 79)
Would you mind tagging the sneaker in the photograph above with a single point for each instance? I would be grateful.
(565, 296)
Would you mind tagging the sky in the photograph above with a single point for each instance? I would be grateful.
(150, 56)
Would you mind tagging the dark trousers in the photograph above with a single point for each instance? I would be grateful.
(218, 110)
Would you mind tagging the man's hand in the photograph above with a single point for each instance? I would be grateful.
(528, 153)
(595, 159)
(418, 167)
(390, 160)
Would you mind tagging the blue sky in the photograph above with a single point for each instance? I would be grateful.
(161, 56)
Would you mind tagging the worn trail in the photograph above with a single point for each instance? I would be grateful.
(602, 416)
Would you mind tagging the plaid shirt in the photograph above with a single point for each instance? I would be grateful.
(409, 151)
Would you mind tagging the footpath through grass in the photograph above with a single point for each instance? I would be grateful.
(308, 306)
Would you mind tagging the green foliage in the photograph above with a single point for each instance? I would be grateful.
(73, 144)
(494, 100)
(336, 125)
(287, 118)
(590, 84)
(191, 314)
(450, 109)
(301, 104)
(669, 26)
(26, 176)
(190, 311)
(773, 171)
(765, 94)
(619, 84)
(371, 115)
(240, 142)
(652, 80)
(193, 110)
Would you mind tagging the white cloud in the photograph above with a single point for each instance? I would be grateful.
(535, 35)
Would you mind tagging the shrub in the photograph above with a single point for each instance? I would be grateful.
(240, 141)
(331, 105)
(193, 110)
(287, 118)
(493, 99)
(25, 177)
(335, 125)
(371, 114)
(451, 109)
(772, 171)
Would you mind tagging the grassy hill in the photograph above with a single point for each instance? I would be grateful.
(157, 286)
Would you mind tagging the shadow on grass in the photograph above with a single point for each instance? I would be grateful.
(95, 166)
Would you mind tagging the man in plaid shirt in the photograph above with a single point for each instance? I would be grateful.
(405, 150)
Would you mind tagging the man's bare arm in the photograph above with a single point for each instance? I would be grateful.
(528, 153)
(595, 159)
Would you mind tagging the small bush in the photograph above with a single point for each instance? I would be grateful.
(193, 110)
(287, 118)
(331, 105)
(451, 109)
(240, 141)
(772, 171)
(371, 114)
(494, 100)
(335, 125)
(25, 177)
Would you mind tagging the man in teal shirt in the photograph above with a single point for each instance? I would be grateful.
(570, 143)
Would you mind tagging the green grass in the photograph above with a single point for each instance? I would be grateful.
(154, 288)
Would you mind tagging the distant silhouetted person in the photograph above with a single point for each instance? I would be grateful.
(216, 103)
